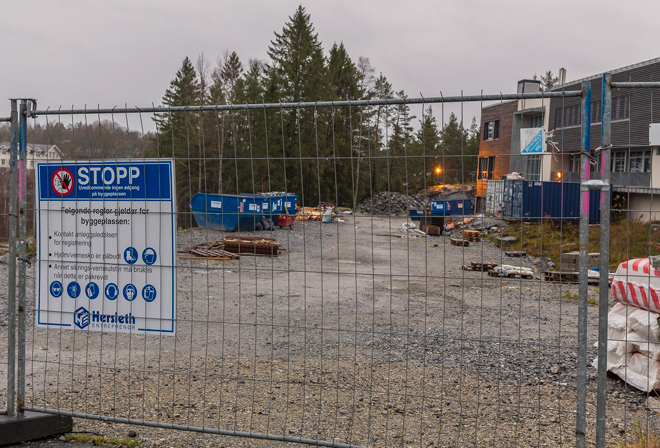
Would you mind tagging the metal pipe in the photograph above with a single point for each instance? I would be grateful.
(222, 432)
(311, 104)
(603, 289)
(22, 255)
(11, 283)
(580, 429)
(634, 85)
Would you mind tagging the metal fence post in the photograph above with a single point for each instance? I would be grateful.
(22, 255)
(11, 284)
(584, 256)
(606, 145)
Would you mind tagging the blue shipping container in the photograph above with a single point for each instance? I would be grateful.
(536, 200)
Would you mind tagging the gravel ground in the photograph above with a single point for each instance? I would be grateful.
(356, 333)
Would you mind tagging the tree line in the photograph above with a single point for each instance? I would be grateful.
(330, 154)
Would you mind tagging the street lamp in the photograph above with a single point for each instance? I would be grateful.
(438, 170)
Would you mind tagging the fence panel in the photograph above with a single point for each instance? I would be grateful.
(358, 332)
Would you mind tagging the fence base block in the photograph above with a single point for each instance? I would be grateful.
(32, 426)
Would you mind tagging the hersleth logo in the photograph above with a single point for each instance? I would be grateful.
(81, 318)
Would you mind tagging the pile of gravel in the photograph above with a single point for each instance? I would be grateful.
(389, 203)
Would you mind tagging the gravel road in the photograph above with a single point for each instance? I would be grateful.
(357, 333)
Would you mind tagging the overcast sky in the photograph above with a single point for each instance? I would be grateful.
(114, 52)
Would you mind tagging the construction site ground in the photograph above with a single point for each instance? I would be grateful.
(357, 332)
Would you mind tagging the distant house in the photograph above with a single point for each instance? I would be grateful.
(635, 165)
(35, 153)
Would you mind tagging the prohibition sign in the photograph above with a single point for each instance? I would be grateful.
(62, 182)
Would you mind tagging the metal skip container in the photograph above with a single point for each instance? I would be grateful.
(226, 212)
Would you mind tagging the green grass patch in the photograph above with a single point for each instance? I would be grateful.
(101, 440)
(628, 239)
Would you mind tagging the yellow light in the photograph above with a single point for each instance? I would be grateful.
(437, 170)
(559, 175)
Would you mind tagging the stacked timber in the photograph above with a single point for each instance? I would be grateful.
(250, 245)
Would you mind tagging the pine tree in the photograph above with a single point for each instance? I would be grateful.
(426, 156)
(399, 143)
(296, 72)
(175, 134)
(453, 140)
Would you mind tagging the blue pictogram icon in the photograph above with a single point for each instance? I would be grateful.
(130, 255)
(149, 256)
(111, 291)
(81, 318)
(56, 289)
(73, 289)
(130, 292)
(92, 290)
(149, 293)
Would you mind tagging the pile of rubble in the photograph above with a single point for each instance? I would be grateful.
(447, 193)
(389, 204)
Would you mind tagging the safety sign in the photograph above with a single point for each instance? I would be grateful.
(106, 245)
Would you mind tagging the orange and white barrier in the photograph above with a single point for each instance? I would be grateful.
(637, 283)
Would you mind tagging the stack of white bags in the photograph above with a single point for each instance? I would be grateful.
(633, 333)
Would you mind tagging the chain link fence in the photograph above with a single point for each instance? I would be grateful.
(253, 271)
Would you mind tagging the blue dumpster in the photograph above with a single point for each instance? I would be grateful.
(452, 207)
(274, 204)
(227, 212)
(416, 214)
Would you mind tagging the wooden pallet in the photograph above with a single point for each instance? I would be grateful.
(459, 242)
(564, 277)
(515, 253)
(472, 235)
(479, 266)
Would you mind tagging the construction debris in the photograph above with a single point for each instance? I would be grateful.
(515, 253)
(389, 204)
(459, 242)
(207, 251)
(410, 229)
(506, 270)
(480, 266)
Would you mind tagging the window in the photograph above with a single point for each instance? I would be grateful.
(568, 116)
(621, 108)
(486, 165)
(536, 121)
(533, 169)
(619, 162)
(640, 161)
(491, 130)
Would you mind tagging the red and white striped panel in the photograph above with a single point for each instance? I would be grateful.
(637, 283)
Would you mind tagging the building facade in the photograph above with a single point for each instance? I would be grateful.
(635, 165)
(35, 153)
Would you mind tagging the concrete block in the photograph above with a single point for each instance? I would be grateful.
(33, 426)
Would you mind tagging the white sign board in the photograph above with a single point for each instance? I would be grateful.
(106, 245)
(654, 134)
(532, 140)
